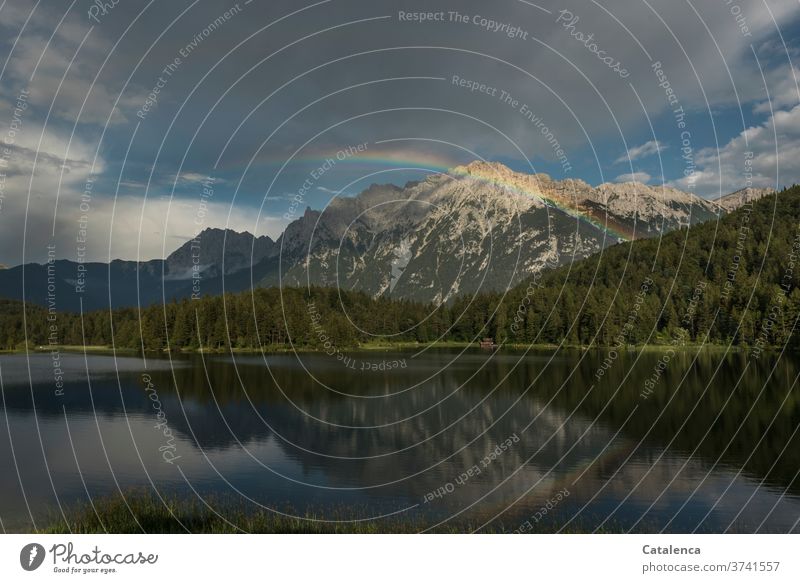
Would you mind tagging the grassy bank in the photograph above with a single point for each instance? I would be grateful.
(140, 512)
(387, 346)
(78, 348)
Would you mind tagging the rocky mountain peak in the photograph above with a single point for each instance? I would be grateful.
(481, 168)
(495, 171)
(214, 248)
(477, 226)
(741, 197)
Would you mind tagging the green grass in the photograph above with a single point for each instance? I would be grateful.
(142, 512)
(77, 348)
(385, 346)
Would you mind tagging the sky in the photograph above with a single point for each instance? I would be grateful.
(128, 127)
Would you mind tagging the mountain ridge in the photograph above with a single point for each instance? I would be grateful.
(481, 226)
(672, 292)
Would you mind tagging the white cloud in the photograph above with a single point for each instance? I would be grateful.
(775, 47)
(162, 224)
(783, 90)
(766, 155)
(193, 178)
(331, 191)
(642, 177)
(62, 79)
(43, 165)
(137, 229)
(638, 152)
(13, 15)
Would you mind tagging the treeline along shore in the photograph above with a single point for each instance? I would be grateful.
(731, 281)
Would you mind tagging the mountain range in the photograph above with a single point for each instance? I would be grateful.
(477, 227)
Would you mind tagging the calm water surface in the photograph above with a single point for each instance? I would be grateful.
(707, 443)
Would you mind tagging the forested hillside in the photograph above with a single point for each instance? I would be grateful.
(732, 280)
(723, 279)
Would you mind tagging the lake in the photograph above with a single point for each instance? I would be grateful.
(655, 440)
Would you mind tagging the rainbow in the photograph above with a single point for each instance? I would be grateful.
(599, 222)
(414, 160)
(397, 159)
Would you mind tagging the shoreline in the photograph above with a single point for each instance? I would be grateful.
(137, 511)
(399, 346)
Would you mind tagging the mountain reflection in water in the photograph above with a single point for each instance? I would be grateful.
(451, 437)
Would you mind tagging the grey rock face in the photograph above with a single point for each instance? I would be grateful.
(478, 227)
